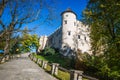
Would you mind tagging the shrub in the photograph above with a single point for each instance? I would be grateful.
(48, 51)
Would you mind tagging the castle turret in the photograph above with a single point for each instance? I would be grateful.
(68, 28)
(73, 35)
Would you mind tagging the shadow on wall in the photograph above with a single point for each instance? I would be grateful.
(67, 51)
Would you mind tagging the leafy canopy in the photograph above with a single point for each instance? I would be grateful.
(103, 16)
(29, 42)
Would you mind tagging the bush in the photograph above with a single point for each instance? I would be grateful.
(48, 51)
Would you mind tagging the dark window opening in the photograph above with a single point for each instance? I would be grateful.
(66, 15)
(69, 33)
(65, 22)
(85, 38)
(78, 36)
(64, 46)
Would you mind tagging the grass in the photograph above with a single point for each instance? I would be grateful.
(61, 74)
(48, 69)
(63, 61)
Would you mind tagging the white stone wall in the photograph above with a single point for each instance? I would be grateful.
(42, 43)
(84, 39)
(68, 29)
(54, 40)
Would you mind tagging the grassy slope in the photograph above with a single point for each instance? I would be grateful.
(64, 62)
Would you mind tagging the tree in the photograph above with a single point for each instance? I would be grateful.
(2, 5)
(29, 42)
(2, 43)
(16, 48)
(48, 51)
(15, 13)
(103, 16)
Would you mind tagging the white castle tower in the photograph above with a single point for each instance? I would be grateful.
(68, 28)
(70, 36)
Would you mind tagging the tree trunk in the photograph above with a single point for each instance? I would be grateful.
(7, 45)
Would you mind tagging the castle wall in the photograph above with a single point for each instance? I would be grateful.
(42, 43)
(83, 37)
(72, 35)
(54, 40)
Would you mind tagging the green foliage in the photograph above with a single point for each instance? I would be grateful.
(99, 66)
(103, 16)
(29, 41)
(2, 43)
(16, 49)
(63, 75)
(48, 51)
(57, 58)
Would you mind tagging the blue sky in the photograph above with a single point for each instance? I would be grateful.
(61, 5)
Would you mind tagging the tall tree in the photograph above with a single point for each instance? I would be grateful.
(15, 13)
(103, 16)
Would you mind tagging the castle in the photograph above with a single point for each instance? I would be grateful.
(70, 36)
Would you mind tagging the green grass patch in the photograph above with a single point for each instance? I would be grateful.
(63, 61)
(63, 75)
(48, 69)
(40, 57)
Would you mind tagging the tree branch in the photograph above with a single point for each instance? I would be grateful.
(2, 25)
(2, 6)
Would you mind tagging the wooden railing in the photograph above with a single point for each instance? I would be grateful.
(74, 74)
(6, 58)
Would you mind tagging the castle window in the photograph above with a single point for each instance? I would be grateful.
(64, 46)
(85, 38)
(69, 33)
(65, 21)
(78, 36)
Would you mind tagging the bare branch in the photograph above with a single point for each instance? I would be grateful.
(2, 25)
(2, 6)
(14, 12)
